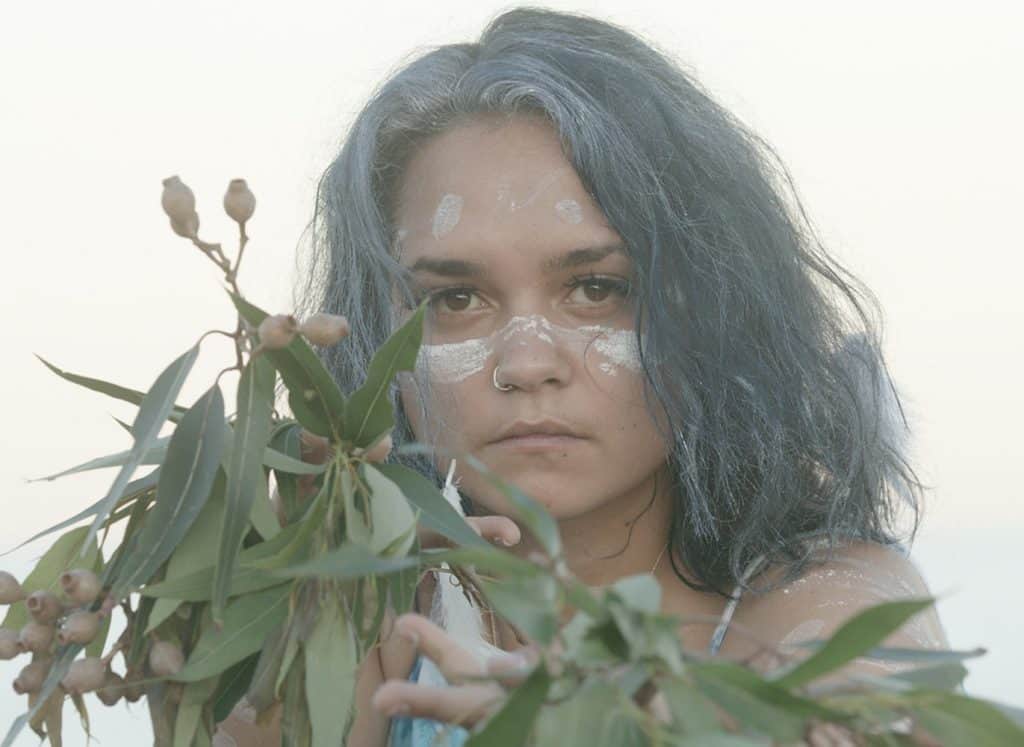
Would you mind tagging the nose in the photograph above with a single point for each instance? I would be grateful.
(530, 352)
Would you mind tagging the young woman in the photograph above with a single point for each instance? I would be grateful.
(630, 319)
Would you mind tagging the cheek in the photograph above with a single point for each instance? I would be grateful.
(444, 410)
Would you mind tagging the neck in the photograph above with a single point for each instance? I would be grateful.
(623, 537)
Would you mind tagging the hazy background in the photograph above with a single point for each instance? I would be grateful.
(899, 122)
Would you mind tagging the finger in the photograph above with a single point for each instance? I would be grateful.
(454, 661)
(513, 667)
(464, 705)
(498, 529)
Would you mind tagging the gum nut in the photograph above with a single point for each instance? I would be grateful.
(81, 586)
(325, 329)
(43, 606)
(79, 627)
(112, 690)
(30, 679)
(239, 201)
(10, 589)
(36, 637)
(165, 659)
(380, 451)
(187, 227)
(177, 199)
(134, 689)
(277, 331)
(85, 675)
(9, 646)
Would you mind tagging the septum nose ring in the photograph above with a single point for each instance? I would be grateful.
(499, 387)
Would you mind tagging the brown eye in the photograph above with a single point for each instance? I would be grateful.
(596, 290)
(456, 300)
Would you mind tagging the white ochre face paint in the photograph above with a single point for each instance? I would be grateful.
(447, 215)
(569, 211)
(453, 362)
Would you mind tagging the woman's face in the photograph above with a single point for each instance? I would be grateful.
(526, 275)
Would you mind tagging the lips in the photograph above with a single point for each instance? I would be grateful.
(523, 428)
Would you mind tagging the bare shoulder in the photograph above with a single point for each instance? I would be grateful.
(831, 591)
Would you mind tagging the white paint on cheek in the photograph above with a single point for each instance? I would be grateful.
(569, 211)
(535, 325)
(446, 217)
(617, 345)
(452, 362)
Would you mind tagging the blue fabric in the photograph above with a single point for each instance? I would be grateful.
(412, 731)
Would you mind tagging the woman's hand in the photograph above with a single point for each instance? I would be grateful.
(460, 702)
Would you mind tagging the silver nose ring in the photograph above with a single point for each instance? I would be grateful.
(499, 387)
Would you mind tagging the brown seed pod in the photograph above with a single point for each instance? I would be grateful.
(380, 451)
(177, 199)
(239, 201)
(10, 589)
(85, 675)
(325, 329)
(36, 637)
(44, 606)
(9, 646)
(134, 689)
(187, 228)
(31, 677)
(112, 690)
(166, 659)
(277, 331)
(79, 627)
(80, 585)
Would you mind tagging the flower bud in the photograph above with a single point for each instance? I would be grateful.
(112, 690)
(30, 679)
(187, 227)
(380, 451)
(10, 589)
(43, 606)
(79, 627)
(325, 329)
(9, 646)
(133, 687)
(239, 201)
(85, 675)
(177, 199)
(277, 331)
(166, 659)
(36, 637)
(81, 586)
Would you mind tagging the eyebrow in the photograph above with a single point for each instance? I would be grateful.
(468, 268)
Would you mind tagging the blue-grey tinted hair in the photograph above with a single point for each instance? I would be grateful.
(761, 348)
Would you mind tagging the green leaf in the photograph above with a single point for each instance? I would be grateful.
(133, 490)
(484, 558)
(247, 621)
(252, 431)
(348, 561)
(111, 390)
(231, 686)
(312, 392)
(528, 603)
(593, 715)
(153, 411)
(390, 513)
(186, 480)
(436, 513)
(958, 719)
(196, 551)
(369, 413)
(154, 455)
(296, 730)
(331, 664)
(641, 592)
(197, 587)
(509, 726)
(71, 550)
(691, 711)
(263, 687)
(190, 710)
(857, 635)
(757, 703)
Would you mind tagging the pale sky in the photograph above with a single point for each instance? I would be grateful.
(899, 123)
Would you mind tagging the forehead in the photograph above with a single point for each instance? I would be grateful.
(495, 181)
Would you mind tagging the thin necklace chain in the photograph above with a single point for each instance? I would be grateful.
(659, 557)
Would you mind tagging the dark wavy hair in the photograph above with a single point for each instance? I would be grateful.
(783, 418)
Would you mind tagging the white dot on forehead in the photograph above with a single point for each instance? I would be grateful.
(446, 217)
(569, 211)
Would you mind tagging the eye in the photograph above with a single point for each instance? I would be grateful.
(596, 288)
(455, 300)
